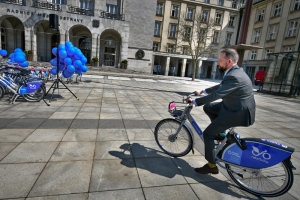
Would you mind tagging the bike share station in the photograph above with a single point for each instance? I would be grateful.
(258, 166)
(65, 54)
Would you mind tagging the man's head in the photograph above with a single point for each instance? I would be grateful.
(227, 59)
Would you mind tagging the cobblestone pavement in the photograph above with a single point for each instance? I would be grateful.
(102, 145)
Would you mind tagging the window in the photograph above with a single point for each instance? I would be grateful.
(59, 1)
(159, 9)
(111, 8)
(171, 48)
(231, 21)
(175, 11)
(262, 69)
(277, 9)
(215, 37)
(172, 31)
(86, 4)
(204, 16)
(155, 46)
(292, 28)
(260, 15)
(253, 55)
(218, 18)
(296, 5)
(185, 50)
(206, 1)
(268, 51)
(256, 35)
(157, 28)
(287, 49)
(220, 2)
(228, 39)
(234, 4)
(190, 13)
(272, 32)
(250, 72)
(187, 33)
(202, 35)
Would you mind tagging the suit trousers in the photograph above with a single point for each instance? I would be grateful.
(214, 128)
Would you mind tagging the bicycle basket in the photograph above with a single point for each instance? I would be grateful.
(172, 110)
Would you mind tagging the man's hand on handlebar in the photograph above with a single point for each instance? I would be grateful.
(189, 100)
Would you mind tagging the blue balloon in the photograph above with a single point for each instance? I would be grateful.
(83, 60)
(68, 61)
(63, 54)
(12, 55)
(20, 59)
(54, 51)
(84, 68)
(18, 50)
(24, 64)
(77, 63)
(67, 74)
(61, 47)
(61, 67)
(78, 71)
(3, 52)
(53, 71)
(53, 62)
(71, 68)
(71, 51)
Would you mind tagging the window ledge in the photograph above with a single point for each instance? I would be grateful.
(294, 11)
(230, 26)
(173, 17)
(270, 40)
(189, 19)
(277, 16)
(173, 38)
(254, 42)
(160, 15)
(289, 37)
(257, 22)
(217, 24)
(157, 36)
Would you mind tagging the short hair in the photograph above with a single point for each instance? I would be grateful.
(231, 54)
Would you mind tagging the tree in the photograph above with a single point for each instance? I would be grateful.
(198, 38)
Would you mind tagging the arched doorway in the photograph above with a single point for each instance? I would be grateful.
(54, 42)
(81, 37)
(110, 41)
(85, 45)
(12, 33)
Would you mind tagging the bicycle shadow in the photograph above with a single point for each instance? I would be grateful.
(158, 163)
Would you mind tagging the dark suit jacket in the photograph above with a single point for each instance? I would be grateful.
(238, 105)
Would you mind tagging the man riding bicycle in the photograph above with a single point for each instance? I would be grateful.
(237, 107)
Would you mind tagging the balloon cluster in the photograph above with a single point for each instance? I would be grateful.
(18, 57)
(71, 60)
(3, 52)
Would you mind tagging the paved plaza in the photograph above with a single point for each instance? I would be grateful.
(102, 146)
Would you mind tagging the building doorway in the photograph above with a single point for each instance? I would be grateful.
(208, 73)
(109, 53)
(54, 43)
(85, 46)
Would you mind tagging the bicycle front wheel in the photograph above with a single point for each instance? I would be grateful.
(173, 144)
(268, 182)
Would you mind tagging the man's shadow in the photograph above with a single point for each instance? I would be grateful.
(161, 164)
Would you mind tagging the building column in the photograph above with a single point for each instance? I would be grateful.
(199, 70)
(67, 36)
(124, 51)
(33, 45)
(27, 33)
(167, 66)
(214, 70)
(183, 67)
(62, 37)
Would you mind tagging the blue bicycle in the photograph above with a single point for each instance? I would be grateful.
(259, 166)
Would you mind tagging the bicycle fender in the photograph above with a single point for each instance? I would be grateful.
(260, 153)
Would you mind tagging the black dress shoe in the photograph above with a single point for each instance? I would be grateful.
(207, 170)
(218, 137)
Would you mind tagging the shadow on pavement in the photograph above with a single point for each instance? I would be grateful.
(180, 167)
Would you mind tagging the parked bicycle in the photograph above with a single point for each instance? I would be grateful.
(259, 166)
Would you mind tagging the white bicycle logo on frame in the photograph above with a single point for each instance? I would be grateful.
(264, 154)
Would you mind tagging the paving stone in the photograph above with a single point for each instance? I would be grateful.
(16, 180)
(158, 172)
(62, 197)
(31, 152)
(23, 123)
(80, 135)
(46, 135)
(56, 123)
(68, 151)
(14, 135)
(170, 192)
(136, 194)
(6, 148)
(112, 150)
(84, 124)
(111, 134)
(135, 124)
(111, 124)
(140, 134)
(113, 175)
(63, 178)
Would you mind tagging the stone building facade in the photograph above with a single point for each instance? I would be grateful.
(112, 30)
(172, 60)
(274, 25)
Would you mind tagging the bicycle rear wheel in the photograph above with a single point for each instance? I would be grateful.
(36, 96)
(268, 182)
(173, 145)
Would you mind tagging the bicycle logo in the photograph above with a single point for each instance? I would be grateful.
(264, 154)
(32, 86)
